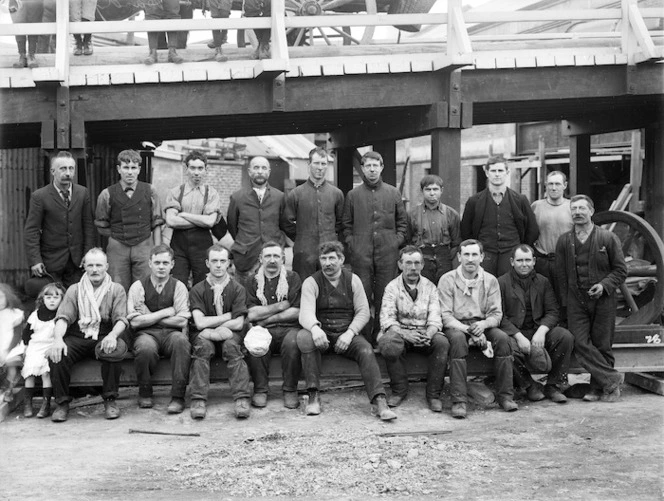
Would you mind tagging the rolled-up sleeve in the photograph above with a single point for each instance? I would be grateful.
(68, 309)
(103, 211)
(118, 311)
(136, 301)
(157, 216)
(308, 304)
(181, 300)
(361, 305)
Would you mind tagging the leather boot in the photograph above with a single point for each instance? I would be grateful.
(174, 57)
(27, 408)
(458, 377)
(219, 55)
(502, 369)
(87, 44)
(382, 409)
(152, 58)
(32, 62)
(313, 407)
(78, 48)
(45, 409)
(22, 61)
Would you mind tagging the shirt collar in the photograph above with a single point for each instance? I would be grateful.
(494, 191)
(190, 187)
(68, 190)
(314, 184)
(124, 186)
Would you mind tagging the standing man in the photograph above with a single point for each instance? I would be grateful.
(163, 9)
(219, 9)
(530, 318)
(59, 228)
(313, 214)
(191, 210)
(591, 267)
(158, 312)
(91, 321)
(374, 227)
(129, 214)
(260, 8)
(554, 218)
(273, 299)
(254, 215)
(499, 217)
(471, 309)
(433, 227)
(333, 311)
(218, 307)
(410, 320)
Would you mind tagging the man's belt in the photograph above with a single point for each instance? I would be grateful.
(549, 256)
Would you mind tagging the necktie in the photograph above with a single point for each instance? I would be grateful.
(129, 191)
(65, 197)
(498, 197)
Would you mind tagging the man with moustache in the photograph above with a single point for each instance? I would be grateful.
(471, 310)
(591, 267)
(410, 320)
(554, 218)
(59, 228)
(374, 228)
(91, 321)
(313, 214)
(254, 216)
(192, 209)
(129, 214)
(218, 308)
(273, 299)
(333, 311)
(530, 318)
(499, 217)
(158, 312)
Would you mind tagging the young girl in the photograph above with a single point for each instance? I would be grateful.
(11, 318)
(38, 337)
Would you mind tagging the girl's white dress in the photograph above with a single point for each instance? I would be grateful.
(10, 318)
(35, 362)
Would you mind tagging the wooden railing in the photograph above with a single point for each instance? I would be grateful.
(636, 41)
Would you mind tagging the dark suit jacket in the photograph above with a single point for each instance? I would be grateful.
(542, 302)
(524, 218)
(53, 233)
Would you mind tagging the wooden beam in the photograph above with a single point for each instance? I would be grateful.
(648, 382)
(63, 123)
(458, 41)
(408, 123)
(344, 160)
(279, 93)
(77, 133)
(62, 36)
(47, 135)
(454, 99)
(388, 150)
(579, 165)
(635, 171)
(279, 46)
(610, 122)
(653, 176)
(446, 163)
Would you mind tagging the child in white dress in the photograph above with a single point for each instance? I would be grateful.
(38, 337)
(11, 318)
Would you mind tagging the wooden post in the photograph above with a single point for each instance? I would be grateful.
(388, 149)
(653, 177)
(541, 177)
(62, 41)
(446, 163)
(279, 47)
(579, 164)
(63, 114)
(635, 171)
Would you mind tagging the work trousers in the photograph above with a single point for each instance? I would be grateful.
(593, 322)
(152, 342)
(231, 353)
(558, 343)
(393, 348)
(190, 249)
(502, 363)
(78, 349)
(128, 263)
(437, 261)
(164, 9)
(30, 12)
(497, 263)
(359, 350)
(259, 8)
(375, 274)
(546, 265)
(284, 341)
(219, 9)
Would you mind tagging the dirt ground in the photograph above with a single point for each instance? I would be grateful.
(578, 451)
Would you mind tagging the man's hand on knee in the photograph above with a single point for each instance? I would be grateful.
(320, 338)
(343, 342)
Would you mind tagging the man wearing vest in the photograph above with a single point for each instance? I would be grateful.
(410, 320)
(158, 312)
(129, 213)
(218, 307)
(191, 210)
(333, 311)
(273, 299)
(498, 217)
(433, 227)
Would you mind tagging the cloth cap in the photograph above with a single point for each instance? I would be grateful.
(539, 360)
(257, 341)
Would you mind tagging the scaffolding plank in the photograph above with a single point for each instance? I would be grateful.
(147, 76)
(169, 75)
(648, 382)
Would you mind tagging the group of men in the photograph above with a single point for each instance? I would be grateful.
(432, 305)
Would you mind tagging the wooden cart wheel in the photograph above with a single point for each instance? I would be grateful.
(639, 241)
(334, 34)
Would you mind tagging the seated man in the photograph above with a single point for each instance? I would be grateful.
(470, 302)
(333, 311)
(273, 299)
(410, 320)
(218, 306)
(530, 316)
(158, 311)
(90, 322)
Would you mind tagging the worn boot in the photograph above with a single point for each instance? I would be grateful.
(152, 58)
(27, 404)
(313, 407)
(382, 409)
(78, 48)
(87, 44)
(22, 61)
(502, 368)
(219, 55)
(174, 57)
(45, 409)
(32, 62)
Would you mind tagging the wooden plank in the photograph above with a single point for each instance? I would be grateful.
(194, 74)
(336, 69)
(445, 161)
(378, 67)
(242, 72)
(633, 334)
(485, 63)
(24, 80)
(5, 82)
(545, 60)
(45, 74)
(418, 66)
(505, 62)
(400, 66)
(621, 59)
(63, 113)
(294, 71)
(311, 70)
(584, 60)
(77, 79)
(565, 59)
(603, 59)
(526, 61)
(218, 72)
(48, 134)
(122, 78)
(170, 73)
(270, 68)
(355, 68)
(149, 75)
(646, 381)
